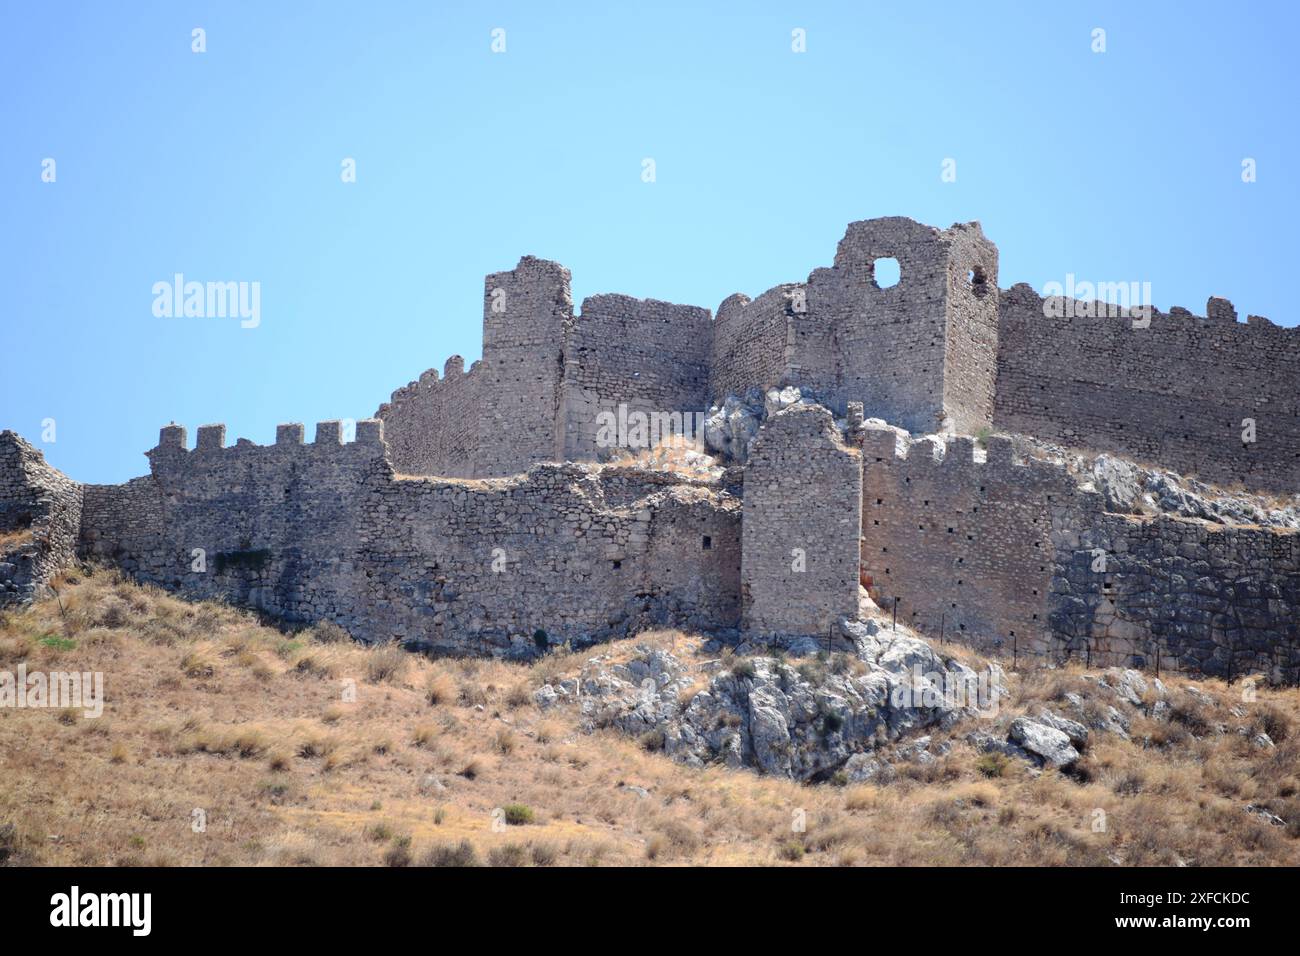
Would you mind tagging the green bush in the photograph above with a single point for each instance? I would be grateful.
(992, 764)
(517, 814)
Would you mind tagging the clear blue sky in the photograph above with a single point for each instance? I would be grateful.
(225, 165)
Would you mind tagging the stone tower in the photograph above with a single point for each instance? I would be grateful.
(920, 353)
(527, 313)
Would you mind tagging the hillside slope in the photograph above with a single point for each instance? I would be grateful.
(447, 762)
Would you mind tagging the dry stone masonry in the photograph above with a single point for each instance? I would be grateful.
(1030, 474)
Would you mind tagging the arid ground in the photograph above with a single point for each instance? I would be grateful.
(451, 762)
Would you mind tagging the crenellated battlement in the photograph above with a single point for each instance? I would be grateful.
(1206, 396)
(454, 375)
(950, 453)
(210, 444)
(1220, 315)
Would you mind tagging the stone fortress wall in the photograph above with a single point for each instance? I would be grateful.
(960, 537)
(472, 515)
(1174, 392)
(327, 531)
(40, 518)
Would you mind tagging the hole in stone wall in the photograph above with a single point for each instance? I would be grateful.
(708, 543)
(886, 272)
(978, 281)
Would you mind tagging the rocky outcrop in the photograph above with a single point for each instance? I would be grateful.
(801, 719)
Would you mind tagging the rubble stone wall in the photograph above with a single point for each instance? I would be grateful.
(40, 514)
(1174, 393)
(326, 531)
(802, 521)
(647, 356)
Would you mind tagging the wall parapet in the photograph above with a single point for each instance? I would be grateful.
(170, 452)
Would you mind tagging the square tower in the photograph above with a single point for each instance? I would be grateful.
(527, 313)
(911, 315)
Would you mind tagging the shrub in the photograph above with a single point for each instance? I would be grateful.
(518, 696)
(275, 791)
(316, 747)
(1189, 712)
(812, 672)
(652, 741)
(450, 854)
(544, 854)
(327, 632)
(792, 851)
(440, 690)
(1273, 722)
(992, 764)
(386, 662)
(517, 814)
(744, 668)
(196, 665)
(508, 854)
(1130, 783)
(399, 854)
(8, 842)
(379, 832)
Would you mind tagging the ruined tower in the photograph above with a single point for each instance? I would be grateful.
(527, 313)
(919, 352)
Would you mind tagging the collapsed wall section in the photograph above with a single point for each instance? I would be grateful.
(802, 522)
(962, 542)
(918, 350)
(1168, 389)
(40, 513)
(644, 355)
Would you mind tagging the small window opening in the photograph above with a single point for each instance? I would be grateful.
(885, 272)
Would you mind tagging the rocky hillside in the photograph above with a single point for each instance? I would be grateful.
(226, 742)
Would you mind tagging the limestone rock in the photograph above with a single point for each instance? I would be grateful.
(1050, 745)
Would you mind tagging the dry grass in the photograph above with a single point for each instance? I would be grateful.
(205, 709)
(14, 539)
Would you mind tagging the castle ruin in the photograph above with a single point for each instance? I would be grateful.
(985, 463)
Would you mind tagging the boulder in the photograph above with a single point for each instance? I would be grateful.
(1074, 730)
(1051, 746)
